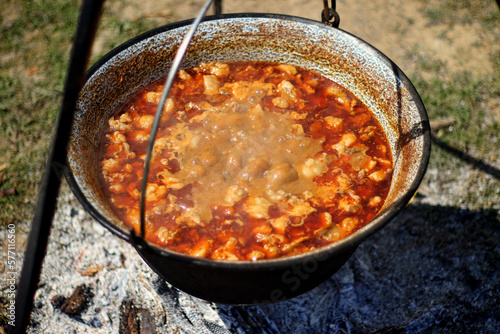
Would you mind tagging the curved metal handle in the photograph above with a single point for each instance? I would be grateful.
(168, 84)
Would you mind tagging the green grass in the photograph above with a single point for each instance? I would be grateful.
(35, 44)
(472, 101)
(462, 12)
(36, 39)
(464, 98)
(118, 30)
(474, 137)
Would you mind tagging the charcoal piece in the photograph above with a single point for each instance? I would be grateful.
(129, 321)
(58, 301)
(78, 301)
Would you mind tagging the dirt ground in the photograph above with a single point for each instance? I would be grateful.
(398, 29)
(394, 27)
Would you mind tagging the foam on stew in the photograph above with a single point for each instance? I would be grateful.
(252, 160)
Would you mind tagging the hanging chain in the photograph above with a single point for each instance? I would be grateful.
(330, 15)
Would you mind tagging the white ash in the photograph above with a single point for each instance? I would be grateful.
(413, 276)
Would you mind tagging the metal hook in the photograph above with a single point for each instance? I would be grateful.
(332, 14)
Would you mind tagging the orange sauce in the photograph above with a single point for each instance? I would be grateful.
(252, 160)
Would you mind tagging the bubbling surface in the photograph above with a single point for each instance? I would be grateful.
(252, 161)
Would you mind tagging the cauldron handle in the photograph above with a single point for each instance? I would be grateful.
(176, 63)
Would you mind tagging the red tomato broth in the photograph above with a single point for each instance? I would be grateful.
(252, 160)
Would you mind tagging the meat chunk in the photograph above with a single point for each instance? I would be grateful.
(211, 84)
(257, 207)
(281, 173)
(234, 194)
(347, 140)
(314, 167)
(280, 224)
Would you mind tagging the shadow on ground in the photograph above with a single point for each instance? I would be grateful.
(432, 270)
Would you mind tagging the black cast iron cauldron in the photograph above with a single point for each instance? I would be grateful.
(342, 57)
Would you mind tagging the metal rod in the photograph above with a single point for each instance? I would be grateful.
(168, 84)
(51, 181)
(218, 7)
